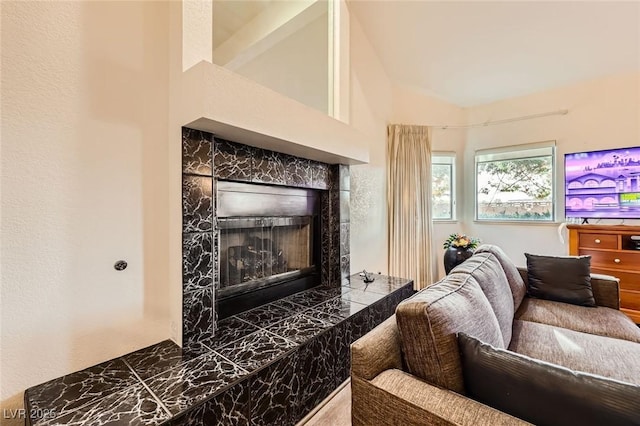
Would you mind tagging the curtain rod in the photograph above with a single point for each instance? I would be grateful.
(506, 120)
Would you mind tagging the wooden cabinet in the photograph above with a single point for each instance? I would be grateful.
(612, 252)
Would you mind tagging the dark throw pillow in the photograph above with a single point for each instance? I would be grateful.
(544, 393)
(563, 279)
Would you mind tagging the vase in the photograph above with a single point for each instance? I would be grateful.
(453, 256)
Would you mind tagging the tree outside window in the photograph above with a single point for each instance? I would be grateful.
(517, 188)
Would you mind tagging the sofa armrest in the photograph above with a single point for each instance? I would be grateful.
(398, 398)
(606, 288)
(376, 351)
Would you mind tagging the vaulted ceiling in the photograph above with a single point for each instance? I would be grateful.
(475, 52)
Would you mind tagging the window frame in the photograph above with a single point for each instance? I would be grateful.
(518, 152)
(446, 158)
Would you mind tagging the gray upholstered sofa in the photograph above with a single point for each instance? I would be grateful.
(408, 370)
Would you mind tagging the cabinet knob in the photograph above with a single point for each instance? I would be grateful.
(616, 260)
(597, 241)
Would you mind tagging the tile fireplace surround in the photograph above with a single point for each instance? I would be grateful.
(207, 159)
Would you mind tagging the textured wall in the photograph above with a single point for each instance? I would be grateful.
(84, 176)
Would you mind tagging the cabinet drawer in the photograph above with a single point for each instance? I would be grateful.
(613, 259)
(628, 280)
(630, 300)
(604, 241)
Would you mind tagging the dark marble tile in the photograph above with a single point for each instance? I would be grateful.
(268, 167)
(257, 349)
(316, 295)
(344, 206)
(316, 368)
(323, 316)
(383, 284)
(320, 175)
(298, 172)
(333, 177)
(378, 312)
(197, 261)
(232, 407)
(334, 268)
(344, 183)
(232, 160)
(360, 324)
(292, 307)
(274, 392)
(131, 406)
(343, 340)
(75, 390)
(162, 356)
(325, 236)
(197, 315)
(339, 307)
(363, 296)
(196, 152)
(265, 315)
(334, 200)
(197, 207)
(229, 330)
(194, 381)
(345, 239)
(299, 328)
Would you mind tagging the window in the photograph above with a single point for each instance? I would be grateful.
(516, 183)
(442, 186)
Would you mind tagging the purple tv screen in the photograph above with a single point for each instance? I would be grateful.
(603, 184)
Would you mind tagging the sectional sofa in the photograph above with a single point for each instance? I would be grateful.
(475, 349)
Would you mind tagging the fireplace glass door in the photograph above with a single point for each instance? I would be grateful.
(258, 252)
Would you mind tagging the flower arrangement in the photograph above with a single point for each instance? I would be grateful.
(461, 241)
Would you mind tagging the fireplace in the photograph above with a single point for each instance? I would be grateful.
(267, 240)
(257, 225)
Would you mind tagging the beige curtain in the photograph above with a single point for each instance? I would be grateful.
(408, 203)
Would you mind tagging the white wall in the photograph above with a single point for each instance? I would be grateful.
(603, 113)
(371, 109)
(84, 183)
(375, 103)
(297, 66)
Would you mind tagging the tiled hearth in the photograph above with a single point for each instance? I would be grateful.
(267, 366)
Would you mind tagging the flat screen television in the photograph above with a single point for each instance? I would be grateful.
(603, 184)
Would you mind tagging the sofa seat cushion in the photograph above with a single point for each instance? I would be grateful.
(441, 406)
(486, 269)
(601, 321)
(516, 282)
(544, 393)
(428, 323)
(605, 356)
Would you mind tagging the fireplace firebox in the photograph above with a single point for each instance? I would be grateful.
(267, 240)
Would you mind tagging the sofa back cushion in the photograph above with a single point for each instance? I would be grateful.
(516, 283)
(486, 270)
(561, 278)
(429, 321)
(543, 393)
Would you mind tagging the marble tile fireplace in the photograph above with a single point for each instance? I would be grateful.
(258, 225)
